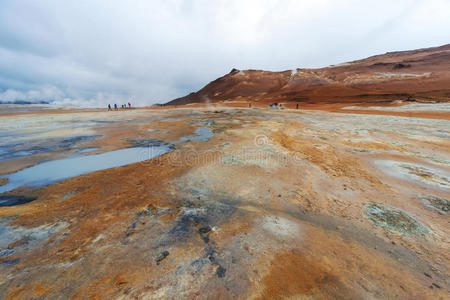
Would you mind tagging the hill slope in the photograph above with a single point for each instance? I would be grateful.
(422, 74)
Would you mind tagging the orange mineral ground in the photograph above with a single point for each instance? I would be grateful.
(247, 203)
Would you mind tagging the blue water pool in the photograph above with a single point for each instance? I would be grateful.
(56, 170)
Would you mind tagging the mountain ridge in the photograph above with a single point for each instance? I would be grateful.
(421, 74)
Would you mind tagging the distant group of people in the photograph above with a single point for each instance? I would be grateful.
(116, 107)
(276, 105)
(280, 106)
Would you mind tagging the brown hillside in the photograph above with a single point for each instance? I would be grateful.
(422, 74)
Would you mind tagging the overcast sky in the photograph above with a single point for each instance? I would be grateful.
(91, 53)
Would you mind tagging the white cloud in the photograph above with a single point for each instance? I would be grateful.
(93, 52)
(44, 94)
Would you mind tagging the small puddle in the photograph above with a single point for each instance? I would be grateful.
(84, 150)
(201, 134)
(56, 170)
(13, 200)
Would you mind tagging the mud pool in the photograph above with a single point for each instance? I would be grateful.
(201, 134)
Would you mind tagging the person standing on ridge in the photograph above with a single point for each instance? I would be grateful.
(115, 106)
(129, 104)
(109, 107)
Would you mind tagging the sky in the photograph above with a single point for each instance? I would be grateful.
(91, 53)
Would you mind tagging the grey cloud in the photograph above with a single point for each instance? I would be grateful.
(90, 53)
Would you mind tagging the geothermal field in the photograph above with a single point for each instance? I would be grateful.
(224, 201)
(224, 150)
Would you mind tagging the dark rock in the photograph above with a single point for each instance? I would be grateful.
(381, 64)
(401, 66)
(426, 274)
(204, 233)
(162, 256)
(204, 230)
(220, 272)
(436, 285)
